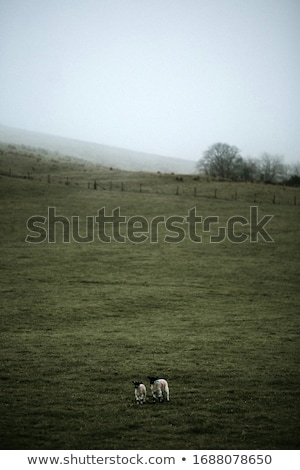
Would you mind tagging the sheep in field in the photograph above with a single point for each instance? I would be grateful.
(159, 388)
(140, 392)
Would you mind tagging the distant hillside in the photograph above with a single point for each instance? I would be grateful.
(101, 154)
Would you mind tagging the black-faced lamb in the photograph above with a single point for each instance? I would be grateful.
(140, 392)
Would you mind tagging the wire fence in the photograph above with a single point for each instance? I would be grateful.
(171, 185)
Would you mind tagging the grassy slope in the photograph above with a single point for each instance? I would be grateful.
(79, 322)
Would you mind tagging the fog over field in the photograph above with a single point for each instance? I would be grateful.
(154, 76)
(101, 154)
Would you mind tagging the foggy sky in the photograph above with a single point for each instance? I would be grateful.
(169, 77)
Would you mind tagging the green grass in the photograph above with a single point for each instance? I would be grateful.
(79, 322)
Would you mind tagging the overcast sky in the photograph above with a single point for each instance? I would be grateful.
(170, 77)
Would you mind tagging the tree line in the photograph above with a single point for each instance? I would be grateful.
(225, 161)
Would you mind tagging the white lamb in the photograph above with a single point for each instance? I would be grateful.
(159, 388)
(140, 392)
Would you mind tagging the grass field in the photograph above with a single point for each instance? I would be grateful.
(81, 321)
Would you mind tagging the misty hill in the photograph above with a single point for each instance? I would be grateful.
(97, 153)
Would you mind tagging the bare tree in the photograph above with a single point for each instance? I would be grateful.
(296, 169)
(293, 174)
(250, 169)
(272, 168)
(221, 160)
